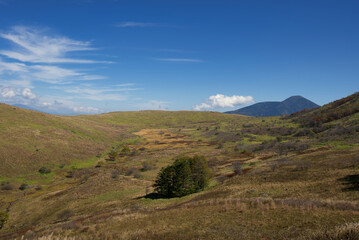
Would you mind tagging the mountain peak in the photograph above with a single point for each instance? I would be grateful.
(266, 109)
(294, 97)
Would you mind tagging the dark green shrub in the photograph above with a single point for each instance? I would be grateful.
(112, 155)
(65, 215)
(146, 166)
(8, 186)
(185, 176)
(44, 170)
(237, 167)
(70, 174)
(99, 164)
(137, 174)
(4, 217)
(24, 186)
(115, 173)
(131, 171)
(125, 149)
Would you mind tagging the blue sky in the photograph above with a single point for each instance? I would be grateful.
(92, 56)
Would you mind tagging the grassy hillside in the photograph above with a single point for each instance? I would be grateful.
(296, 182)
(32, 139)
(336, 110)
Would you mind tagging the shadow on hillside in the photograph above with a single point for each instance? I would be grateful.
(351, 182)
(152, 196)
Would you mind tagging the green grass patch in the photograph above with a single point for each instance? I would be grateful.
(118, 195)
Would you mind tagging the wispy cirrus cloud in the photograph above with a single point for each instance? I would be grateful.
(11, 67)
(138, 24)
(96, 93)
(35, 58)
(37, 47)
(58, 75)
(190, 60)
(59, 105)
(154, 105)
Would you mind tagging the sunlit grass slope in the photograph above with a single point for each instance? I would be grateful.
(30, 139)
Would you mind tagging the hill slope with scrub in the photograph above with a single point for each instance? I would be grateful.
(269, 178)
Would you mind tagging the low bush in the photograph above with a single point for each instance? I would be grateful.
(237, 167)
(134, 172)
(112, 156)
(303, 132)
(44, 170)
(348, 231)
(4, 217)
(99, 164)
(24, 186)
(131, 171)
(65, 215)
(146, 166)
(8, 186)
(115, 173)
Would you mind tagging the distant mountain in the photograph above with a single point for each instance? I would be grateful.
(38, 109)
(268, 109)
(25, 107)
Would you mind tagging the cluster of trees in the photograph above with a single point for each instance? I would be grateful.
(185, 176)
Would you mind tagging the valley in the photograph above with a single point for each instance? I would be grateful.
(298, 175)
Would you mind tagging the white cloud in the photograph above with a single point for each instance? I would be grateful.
(52, 74)
(57, 75)
(35, 57)
(7, 93)
(36, 46)
(14, 95)
(136, 24)
(27, 93)
(17, 83)
(11, 67)
(86, 110)
(222, 101)
(46, 104)
(39, 48)
(202, 106)
(179, 60)
(59, 105)
(153, 105)
(96, 93)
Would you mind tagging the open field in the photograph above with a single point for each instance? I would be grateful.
(297, 182)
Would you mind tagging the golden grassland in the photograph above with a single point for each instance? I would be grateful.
(306, 194)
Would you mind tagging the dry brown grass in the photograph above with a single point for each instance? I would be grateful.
(303, 197)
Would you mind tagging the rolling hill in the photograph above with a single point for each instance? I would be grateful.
(294, 182)
(268, 109)
(31, 139)
(336, 110)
